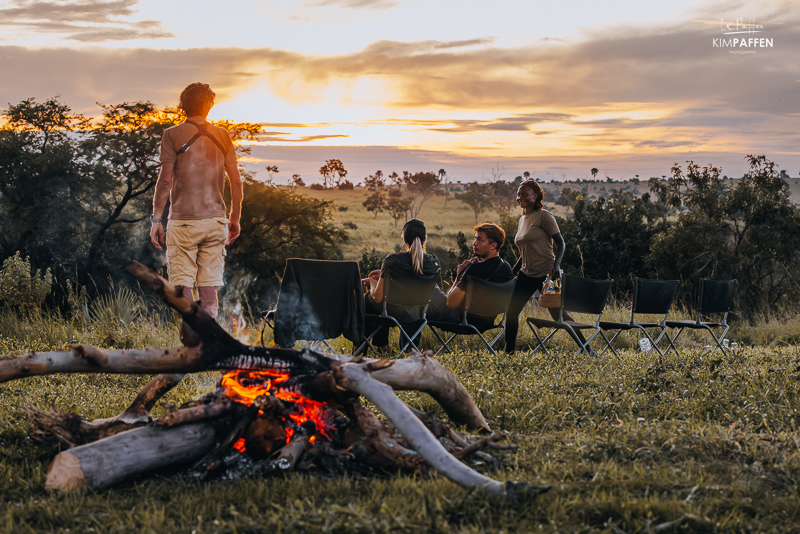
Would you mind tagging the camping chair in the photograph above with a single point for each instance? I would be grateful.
(715, 298)
(578, 295)
(650, 297)
(319, 300)
(484, 301)
(404, 295)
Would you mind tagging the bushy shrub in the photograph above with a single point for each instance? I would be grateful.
(20, 286)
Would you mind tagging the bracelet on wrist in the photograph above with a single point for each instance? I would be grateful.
(155, 220)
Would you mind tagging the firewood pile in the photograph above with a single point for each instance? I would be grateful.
(274, 410)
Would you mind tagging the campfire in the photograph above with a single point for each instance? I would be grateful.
(284, 409)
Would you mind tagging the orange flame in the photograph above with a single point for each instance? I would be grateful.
(245, 386)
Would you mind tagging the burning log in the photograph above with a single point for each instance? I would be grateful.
(195, 413)
(271, 400)
(291, 453)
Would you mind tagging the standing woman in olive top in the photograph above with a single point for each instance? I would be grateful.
(541, 249)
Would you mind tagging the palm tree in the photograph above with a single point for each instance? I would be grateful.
(594, 172)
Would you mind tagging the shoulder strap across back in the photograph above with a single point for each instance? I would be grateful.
(202, 131)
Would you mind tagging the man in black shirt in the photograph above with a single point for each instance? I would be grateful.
(486, 265)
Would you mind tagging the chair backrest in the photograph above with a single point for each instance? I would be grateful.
(653, 296)
(408, 290)
(716, 296)
(583, 295)
(319, 299)
(487, 299)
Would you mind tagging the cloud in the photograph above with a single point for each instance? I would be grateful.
(91, 11)
(283, 137)
(511, 124)
(89, 21)
(355, 4)
(623, 93)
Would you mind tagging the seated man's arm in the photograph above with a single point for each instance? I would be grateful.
(455, 297)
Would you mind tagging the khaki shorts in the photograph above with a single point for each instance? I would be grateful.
(196, 251)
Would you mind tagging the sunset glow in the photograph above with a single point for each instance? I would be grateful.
(628, 87)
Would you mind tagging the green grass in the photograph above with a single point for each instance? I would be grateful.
(627, 445)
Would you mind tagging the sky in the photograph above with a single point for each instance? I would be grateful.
(480, 89)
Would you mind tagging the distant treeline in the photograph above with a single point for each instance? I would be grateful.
(75, 196)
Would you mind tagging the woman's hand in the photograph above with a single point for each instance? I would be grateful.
(374, 275)
(555, 273)
(369, 283)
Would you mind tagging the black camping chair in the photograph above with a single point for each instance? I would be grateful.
(483, 303)
(319, 300)
(716, 297)
(650, 297)
(405, 295)
(578, 295)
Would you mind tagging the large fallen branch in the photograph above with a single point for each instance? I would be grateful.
(421, 438)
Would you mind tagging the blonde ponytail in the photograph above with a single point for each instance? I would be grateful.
(416, 255)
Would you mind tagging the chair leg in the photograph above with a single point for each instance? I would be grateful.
(410, 339)
(584, 347)
(540, 340)
(367, 344)
(445, 344)
(609, 344)
(672, 341)
(717, 340)
(323, 342)
(442, 341)
(488, 346)
(653, 343)
(494, 341)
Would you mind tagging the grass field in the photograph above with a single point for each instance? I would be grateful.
(701, 443)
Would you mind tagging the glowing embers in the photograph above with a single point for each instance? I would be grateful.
(280, 412)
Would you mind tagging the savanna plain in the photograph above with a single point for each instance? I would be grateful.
(701, 442)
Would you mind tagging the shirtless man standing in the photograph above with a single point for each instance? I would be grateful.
(194, 159)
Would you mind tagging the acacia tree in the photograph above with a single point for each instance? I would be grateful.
(296, 182)
(375, 201)
(272, 170)
(398, 208)
(333, 172)
(478, 197)
(419, 187)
